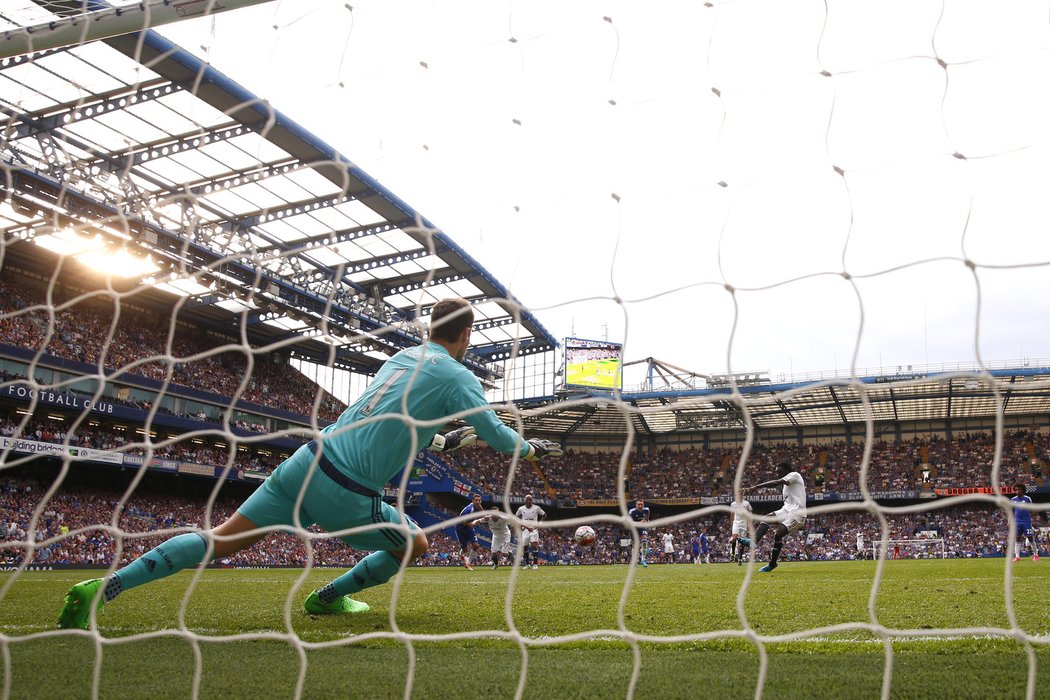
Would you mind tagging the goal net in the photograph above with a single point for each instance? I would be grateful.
(910, 549)
(219, 220)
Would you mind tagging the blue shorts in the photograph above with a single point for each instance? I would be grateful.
(466, 538)
(326, 503)
(1023, 531)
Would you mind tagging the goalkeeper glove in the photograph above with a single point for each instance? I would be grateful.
(538, 449)
(460, 437)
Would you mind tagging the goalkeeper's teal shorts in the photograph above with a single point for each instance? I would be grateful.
(333, 501)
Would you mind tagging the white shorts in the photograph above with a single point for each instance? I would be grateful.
(530, 537)
(740, 529)
(791, 519)
(668, 550)
(501, 541)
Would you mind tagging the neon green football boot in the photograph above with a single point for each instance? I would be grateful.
(76, 611)
(339, 606)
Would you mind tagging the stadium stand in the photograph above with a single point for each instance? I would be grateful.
(136, 341)
(134, 345)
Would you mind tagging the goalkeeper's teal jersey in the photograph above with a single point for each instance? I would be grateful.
(424, 383)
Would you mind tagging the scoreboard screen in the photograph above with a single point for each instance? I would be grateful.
(596, 364)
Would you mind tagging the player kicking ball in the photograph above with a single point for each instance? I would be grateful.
(792, 515)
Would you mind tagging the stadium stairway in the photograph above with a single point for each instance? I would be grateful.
(552, 493)
(427, 516)
(1036, 466)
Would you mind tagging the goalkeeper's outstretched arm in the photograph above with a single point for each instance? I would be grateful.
(451, 328)
(501, 438)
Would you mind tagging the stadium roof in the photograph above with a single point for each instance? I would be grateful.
(881, 398)
(143, 150)
(239, 213)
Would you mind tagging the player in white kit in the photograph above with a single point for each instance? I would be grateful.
(500, 527)
(668, 540)
(738, 529)
(530, 535)
(792, 515)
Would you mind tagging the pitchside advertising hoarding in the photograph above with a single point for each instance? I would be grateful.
(87, 454)
(593, 364)
(51, 449)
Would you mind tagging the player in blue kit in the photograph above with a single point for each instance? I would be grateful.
(640, 514)
(468, 540)
(340, 475)
(1023, 530)
(694, 545)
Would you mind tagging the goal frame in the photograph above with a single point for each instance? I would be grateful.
(107, 21)
(876, 546)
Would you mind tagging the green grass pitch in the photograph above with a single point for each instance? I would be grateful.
(140, 656)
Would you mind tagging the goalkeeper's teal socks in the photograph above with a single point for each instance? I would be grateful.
(178, 553)
(376, 568)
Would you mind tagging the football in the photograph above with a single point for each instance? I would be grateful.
(585, 535)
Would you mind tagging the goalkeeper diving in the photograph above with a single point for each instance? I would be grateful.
(342, 474)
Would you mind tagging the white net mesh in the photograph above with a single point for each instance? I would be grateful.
(847, 194)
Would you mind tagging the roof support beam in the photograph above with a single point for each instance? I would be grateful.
(121, 162)
(503, 351)
(383, 260)
(1009, 393)
(588, 413)
(234, 178)
(419, 280)
(263, 216)
(33, 123)
(838, 405)
(340, 236)
(788, 414)
(641, 419)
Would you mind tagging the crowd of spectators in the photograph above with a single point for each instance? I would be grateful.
(119, 336)
(489, 470)
(964, 462)
(83, 524)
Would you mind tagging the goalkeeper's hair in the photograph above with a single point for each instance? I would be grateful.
(449, 318)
